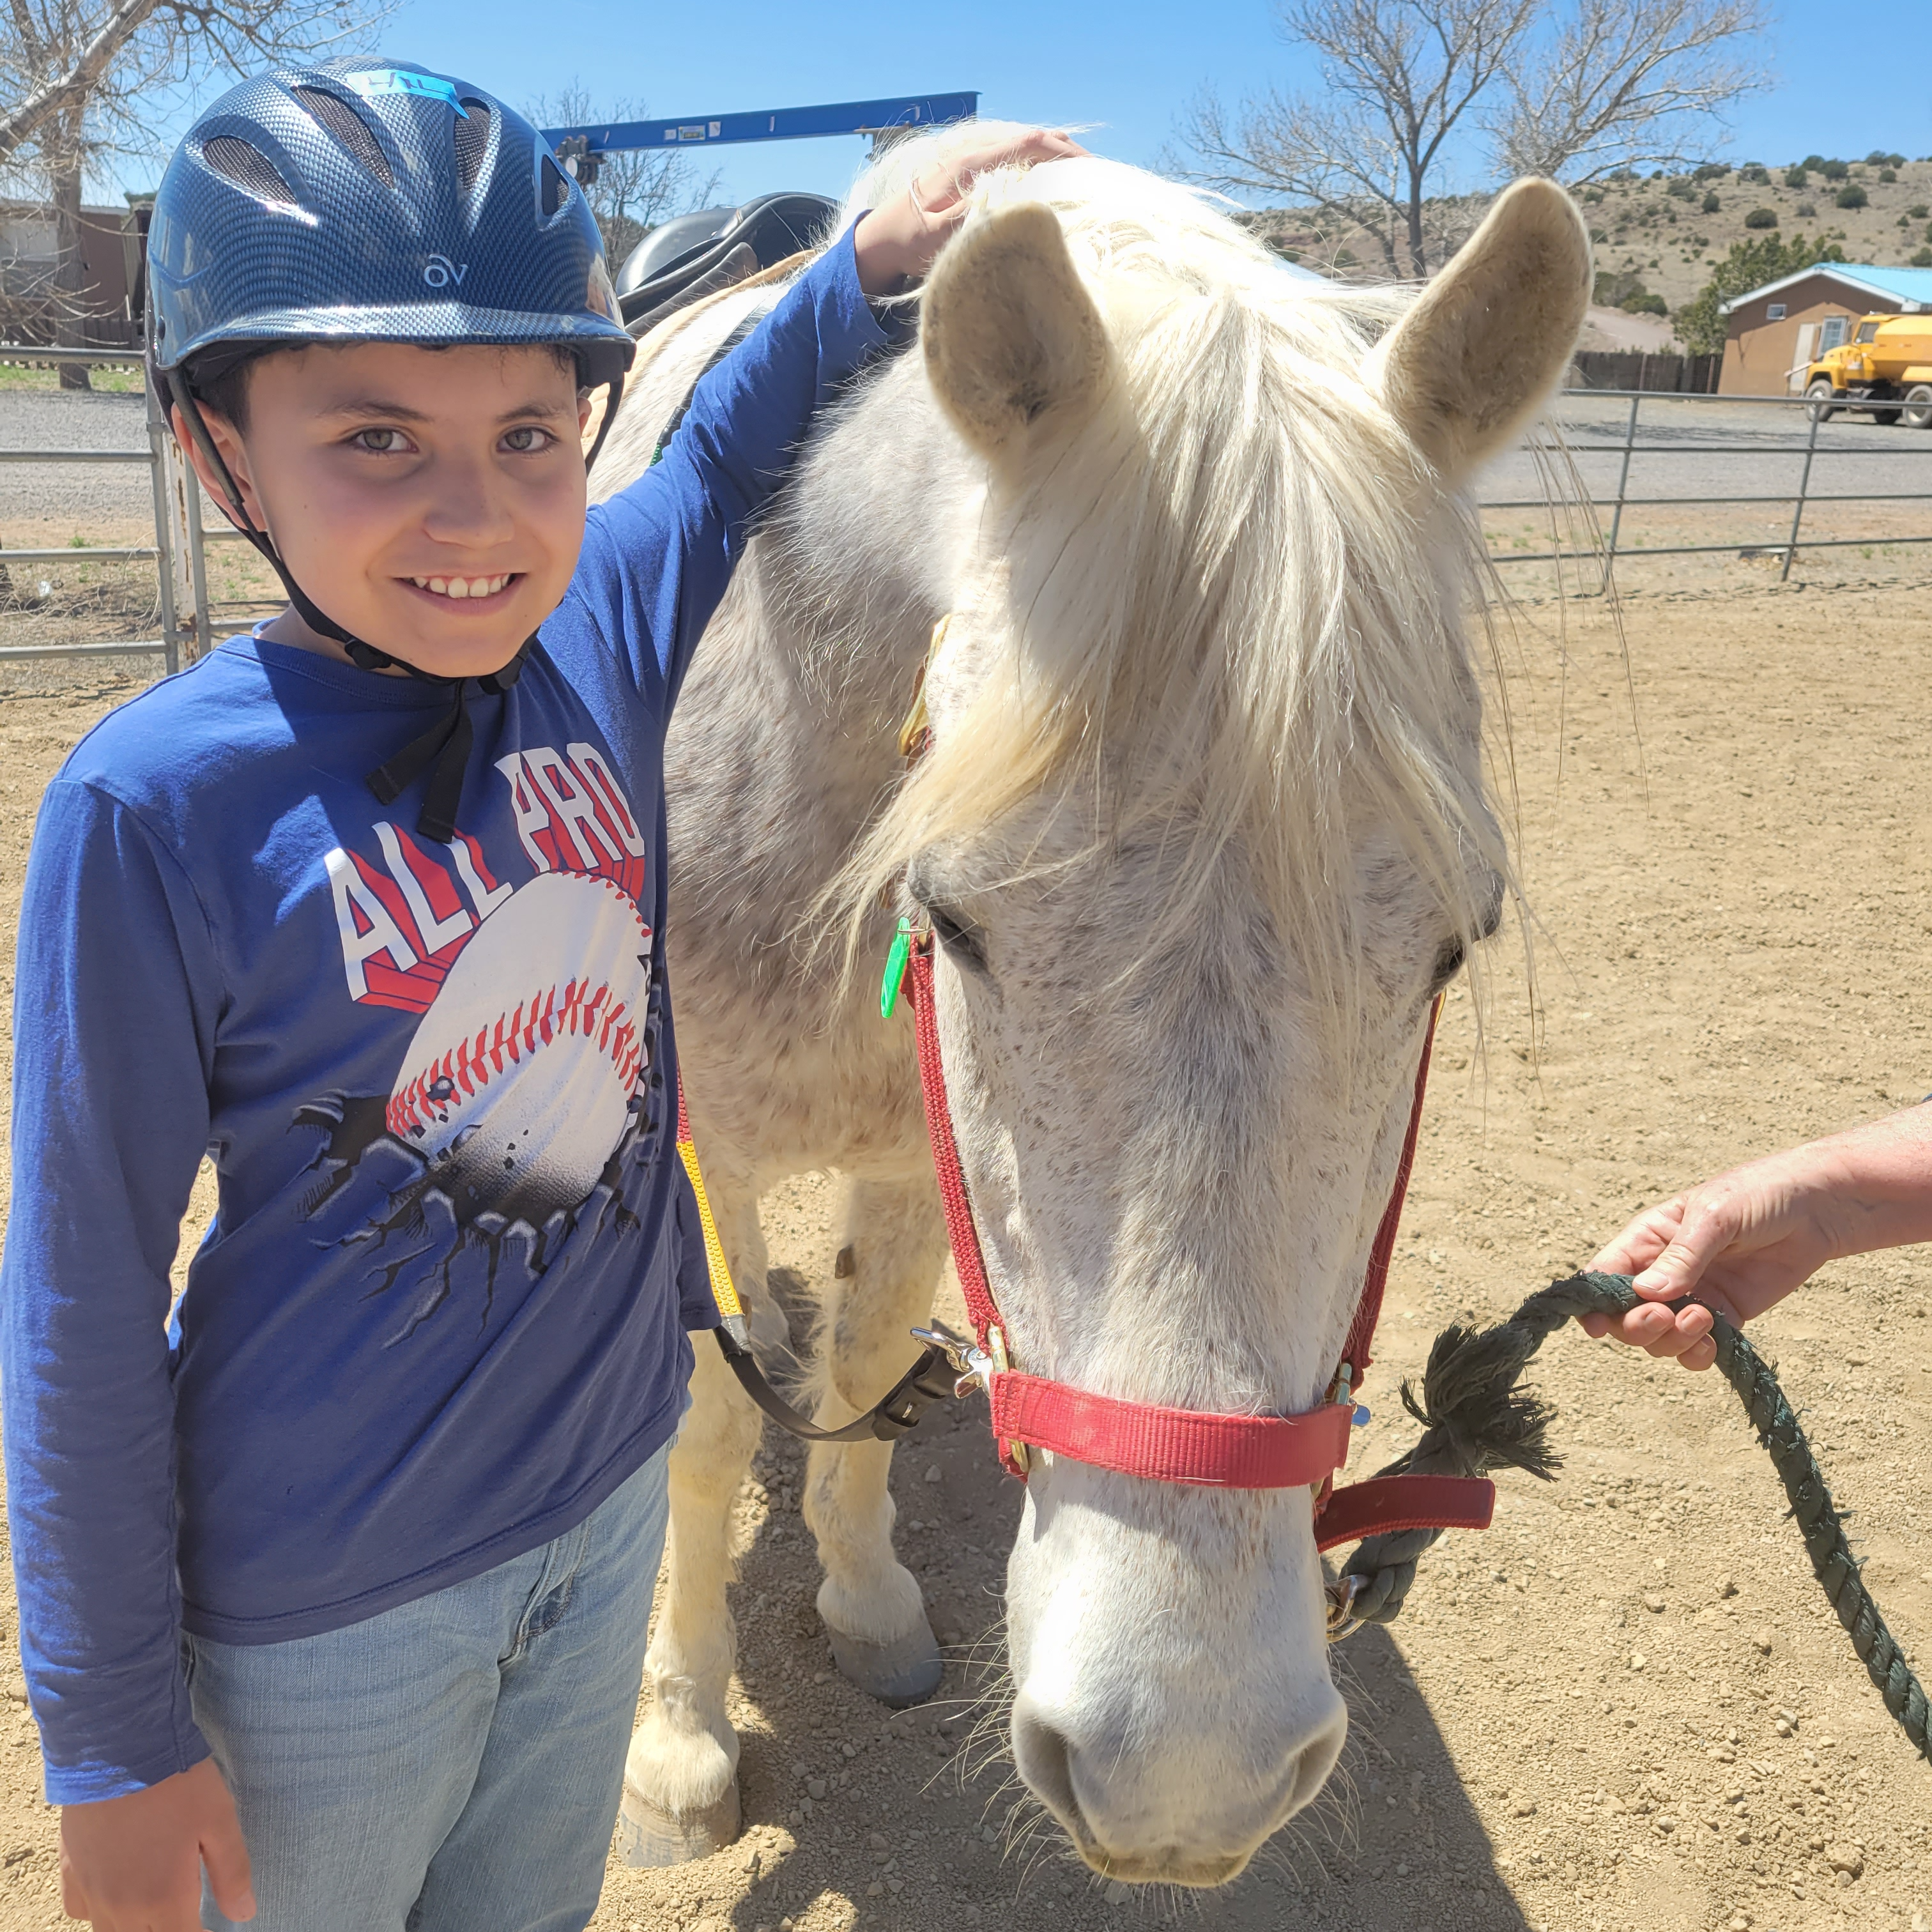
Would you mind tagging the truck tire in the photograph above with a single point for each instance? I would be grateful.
(1918, 410)
(1885, 418)
(1821, 393)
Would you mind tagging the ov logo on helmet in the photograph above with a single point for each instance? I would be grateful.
(441, 272)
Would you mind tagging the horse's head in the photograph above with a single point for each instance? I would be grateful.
(1202, 834)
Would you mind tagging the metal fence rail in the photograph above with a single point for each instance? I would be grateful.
(179, 549)
(1810, 448)
(181, 569)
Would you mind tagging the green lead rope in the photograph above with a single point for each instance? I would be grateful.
(1474, 1420)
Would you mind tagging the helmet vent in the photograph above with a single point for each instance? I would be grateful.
(349, 127)
(244, 164)
(472, 142)
(555, 190)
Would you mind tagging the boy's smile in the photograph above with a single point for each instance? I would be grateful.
(430, 501)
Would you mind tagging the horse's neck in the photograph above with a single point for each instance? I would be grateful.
(784, 739)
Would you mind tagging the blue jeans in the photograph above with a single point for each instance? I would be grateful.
(453, 1765)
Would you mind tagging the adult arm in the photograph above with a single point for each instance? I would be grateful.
(1743, 1241)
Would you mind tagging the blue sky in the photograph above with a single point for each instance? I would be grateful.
(1128, 66)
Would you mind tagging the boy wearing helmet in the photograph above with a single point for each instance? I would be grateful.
(367, 906)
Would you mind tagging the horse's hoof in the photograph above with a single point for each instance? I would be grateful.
(902, 1672)
(649, 1836)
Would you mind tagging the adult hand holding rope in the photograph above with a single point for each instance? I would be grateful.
(1742, 1241)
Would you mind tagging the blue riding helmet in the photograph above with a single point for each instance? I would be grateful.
(366, 200)
(363, 201)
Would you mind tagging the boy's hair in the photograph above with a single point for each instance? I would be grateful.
(219, 377)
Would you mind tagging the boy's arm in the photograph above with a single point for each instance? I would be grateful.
(115, 1007)
(657, 558)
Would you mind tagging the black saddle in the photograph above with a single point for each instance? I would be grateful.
(697, 255)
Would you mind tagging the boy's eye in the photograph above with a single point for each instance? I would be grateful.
(380, 441)
(527, 439)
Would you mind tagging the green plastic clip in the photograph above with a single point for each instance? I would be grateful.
(897, 960)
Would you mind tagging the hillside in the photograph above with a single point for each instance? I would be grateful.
(1658, 231)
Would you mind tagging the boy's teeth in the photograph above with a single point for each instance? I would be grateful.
(462, 586)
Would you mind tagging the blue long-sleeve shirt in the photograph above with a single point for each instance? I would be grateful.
(440, 1314)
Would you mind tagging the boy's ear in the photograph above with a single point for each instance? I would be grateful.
(1014, 346)
(223, 435)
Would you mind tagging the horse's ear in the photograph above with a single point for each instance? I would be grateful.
(1013, 342)
(1486, 342)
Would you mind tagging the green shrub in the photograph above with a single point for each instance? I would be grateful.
(1919, 211)
(1794, 177)
(1814, 160)
(1682, 190)
(1711, 202)
(1835, 171)
(1852, 195)
(1644, 303)
(1758, 176)
(1807, 209)
(1750, 265)
(1923, 260)
(1761, 217)
(1888, 174)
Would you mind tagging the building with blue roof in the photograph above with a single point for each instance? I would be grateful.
(1777, 332)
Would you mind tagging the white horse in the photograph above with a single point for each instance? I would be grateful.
(1201, 831)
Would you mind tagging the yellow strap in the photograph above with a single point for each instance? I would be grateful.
(724, 1291)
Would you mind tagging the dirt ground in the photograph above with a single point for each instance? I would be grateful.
(1628, 1709)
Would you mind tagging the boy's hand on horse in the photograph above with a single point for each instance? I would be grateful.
(897, 242)
(134, 1864)
(1741, 1242)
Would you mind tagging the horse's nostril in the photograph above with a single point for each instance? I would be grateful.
(1045, 1762)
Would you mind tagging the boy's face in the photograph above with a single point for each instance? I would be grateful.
(430, 501)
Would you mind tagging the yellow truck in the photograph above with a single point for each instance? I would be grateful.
(1885, 368)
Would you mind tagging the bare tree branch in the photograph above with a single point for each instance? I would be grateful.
(1626, 83)
(1399, 76)
(63, 82)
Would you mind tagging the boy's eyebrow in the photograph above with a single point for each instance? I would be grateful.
(390, 410)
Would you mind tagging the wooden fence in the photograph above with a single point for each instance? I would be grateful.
(1628, 369)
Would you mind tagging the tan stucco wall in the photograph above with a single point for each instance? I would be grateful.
(1758, 352)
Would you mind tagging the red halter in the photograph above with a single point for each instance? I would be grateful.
(1180, 1445)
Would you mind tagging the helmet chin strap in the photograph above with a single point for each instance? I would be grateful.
(443, 750)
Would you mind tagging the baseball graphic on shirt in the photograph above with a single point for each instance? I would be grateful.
(516, 1088)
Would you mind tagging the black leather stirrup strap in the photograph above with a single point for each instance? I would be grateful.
(929, 1380)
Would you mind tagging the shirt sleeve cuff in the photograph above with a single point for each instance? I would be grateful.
(852, 326)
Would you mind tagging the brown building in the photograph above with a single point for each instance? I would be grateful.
(111, 243)
(1777, 332)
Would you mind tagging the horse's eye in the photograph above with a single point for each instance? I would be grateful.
(1448, 964)
(959, 937)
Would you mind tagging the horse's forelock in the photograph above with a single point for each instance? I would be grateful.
(1233, 582)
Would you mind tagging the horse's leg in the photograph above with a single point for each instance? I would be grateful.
(892, 1247)
(681, 1779)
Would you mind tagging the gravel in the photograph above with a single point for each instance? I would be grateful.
(84, 493)
(1687, 448)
